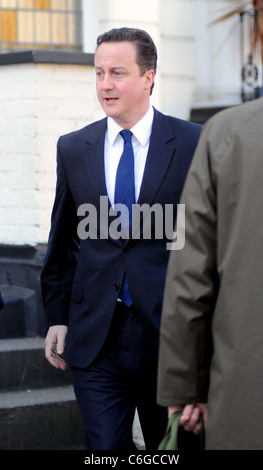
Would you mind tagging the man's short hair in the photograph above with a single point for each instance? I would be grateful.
(146, 52)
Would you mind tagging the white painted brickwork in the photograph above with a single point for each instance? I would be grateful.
(18, 149)
(38, 103)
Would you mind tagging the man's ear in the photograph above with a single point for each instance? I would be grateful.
(149, 79)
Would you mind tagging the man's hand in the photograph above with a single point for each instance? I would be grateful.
(174, 409)
(190, 417)
(55, 344)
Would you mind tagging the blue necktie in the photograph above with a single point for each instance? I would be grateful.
(125, 194)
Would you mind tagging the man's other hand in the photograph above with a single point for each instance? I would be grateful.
(55, 345)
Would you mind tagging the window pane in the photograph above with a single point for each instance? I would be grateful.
(42, 4)
(74, 30)
(40, 23)
(8, 3)
(59, 4)
(74, 5)
(42, 27)
(66, 4)
(25, 3)
(59, 29)
(8, 25)
(25, 26)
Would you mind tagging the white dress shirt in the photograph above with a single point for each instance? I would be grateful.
(113, 149)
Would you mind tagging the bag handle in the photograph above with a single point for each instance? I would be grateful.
(170, 440)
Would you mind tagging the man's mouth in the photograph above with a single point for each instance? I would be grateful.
(110, 100)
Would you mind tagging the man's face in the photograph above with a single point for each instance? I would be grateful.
(122, 92)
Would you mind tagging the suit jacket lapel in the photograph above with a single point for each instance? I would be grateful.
(161, 151)
(93, 156)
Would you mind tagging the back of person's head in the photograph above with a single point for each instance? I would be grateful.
(146, 52)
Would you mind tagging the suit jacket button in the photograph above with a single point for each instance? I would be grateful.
(116, 286)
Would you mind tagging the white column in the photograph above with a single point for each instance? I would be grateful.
(217, 55)
(202, 53)
(177, 56)
(89, 24)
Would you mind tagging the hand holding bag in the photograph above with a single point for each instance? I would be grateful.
(190, 441)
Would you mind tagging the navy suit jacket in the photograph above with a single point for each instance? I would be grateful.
(81, 278)
(1, 302)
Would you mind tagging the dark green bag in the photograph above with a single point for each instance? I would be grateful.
(171, 441)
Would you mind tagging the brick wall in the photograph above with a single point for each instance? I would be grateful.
(38, 103)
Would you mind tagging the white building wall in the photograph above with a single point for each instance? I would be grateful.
(18, 148)
(177, 56)
(217, 55)
(38, 103)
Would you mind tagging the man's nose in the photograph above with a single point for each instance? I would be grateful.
(107, 83)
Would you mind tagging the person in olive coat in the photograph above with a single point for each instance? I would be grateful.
(211, 348)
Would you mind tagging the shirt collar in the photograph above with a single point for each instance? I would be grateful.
(141, 130)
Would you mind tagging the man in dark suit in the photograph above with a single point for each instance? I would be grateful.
(112, 341)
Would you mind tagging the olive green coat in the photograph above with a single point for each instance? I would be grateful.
(211, 344)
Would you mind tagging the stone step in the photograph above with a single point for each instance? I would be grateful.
(18, 318)
(41, 419)
(24, 366)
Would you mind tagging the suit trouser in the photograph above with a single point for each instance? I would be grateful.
(122, 378)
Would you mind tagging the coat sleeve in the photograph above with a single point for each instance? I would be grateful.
(191, 291)
(62, 252)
